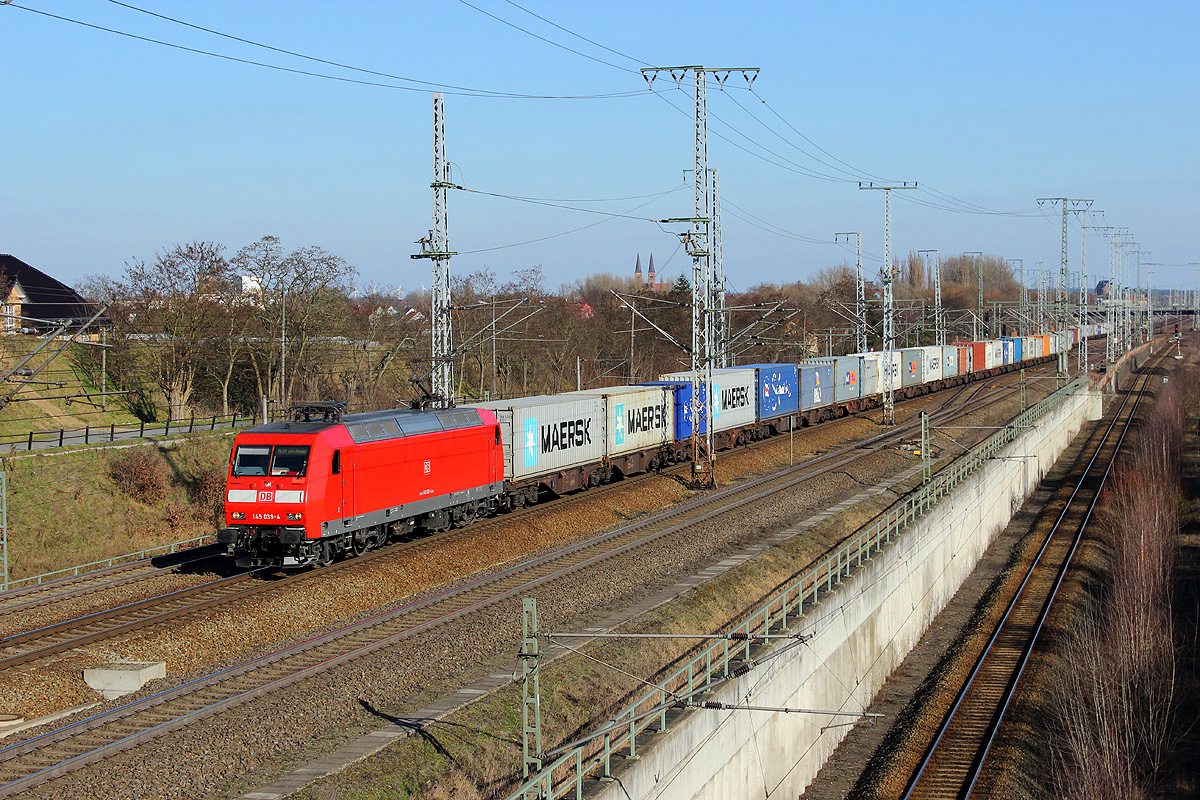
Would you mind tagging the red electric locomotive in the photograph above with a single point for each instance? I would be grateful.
(303, 492)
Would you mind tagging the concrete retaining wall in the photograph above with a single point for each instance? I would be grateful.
(862, 632)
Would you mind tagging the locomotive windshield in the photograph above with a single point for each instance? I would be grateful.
(262, 459)
(251, 460)
(289, 459)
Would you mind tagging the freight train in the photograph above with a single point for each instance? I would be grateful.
(322, 484)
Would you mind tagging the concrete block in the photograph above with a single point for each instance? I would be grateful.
(123, 677)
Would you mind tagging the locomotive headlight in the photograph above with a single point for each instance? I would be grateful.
(238, 515)
(292, 516)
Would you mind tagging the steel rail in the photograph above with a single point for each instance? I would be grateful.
(138, 615)
(94, 581)
(31, 762)
(1059, 578)
(918, 782)
(90, 575)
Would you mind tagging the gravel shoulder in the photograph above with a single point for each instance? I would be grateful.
(249, 745)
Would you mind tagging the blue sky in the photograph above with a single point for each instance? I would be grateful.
(116, 147)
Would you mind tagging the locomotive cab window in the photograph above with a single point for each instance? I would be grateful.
(290, 459)
(251, 460)
(336, 468)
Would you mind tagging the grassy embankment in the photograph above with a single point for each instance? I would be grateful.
(95, 503)
(43, 406)
(76, 507)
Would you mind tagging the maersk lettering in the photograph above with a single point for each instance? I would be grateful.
(646, 418)
(737, 397)
(567, 434)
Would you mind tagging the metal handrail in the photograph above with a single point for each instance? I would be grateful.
(719, 661)
(150, 552)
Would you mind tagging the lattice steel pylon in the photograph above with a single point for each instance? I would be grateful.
(1040, 307)
(939, 314)
(887, 276)
(1141, 299)
(698, 244)
(1022, 296)
(1110, 343)
(1081, 351)
(860, 291)
(436, 247)
(1061, 301)
(1124, 239)
(720, 319)
(530, 658)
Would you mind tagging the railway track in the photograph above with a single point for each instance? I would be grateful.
(42, 594)
(954, 760)
(54, 753)
(47, 641)
(72, 587)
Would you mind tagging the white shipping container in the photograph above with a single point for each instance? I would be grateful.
(876, 358)
(549, 433)
(933, 363)
(635, 417)
(733, 396)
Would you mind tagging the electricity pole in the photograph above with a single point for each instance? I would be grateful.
(1022, 298)
(889, 322)
(1140, 295)
(1110, 345)
(1126, 241)
(720, 322)
(1040, 307)
(1068, 205)
(698, 243)
(977, 259)
(1083, 290)
(860, 292)
(436, 247)
(1149, 302)
(939, 315)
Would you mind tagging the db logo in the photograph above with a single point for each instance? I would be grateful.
(266, 497)
(426, 467)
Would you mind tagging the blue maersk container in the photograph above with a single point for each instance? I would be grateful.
(1018, 348)
(682, 393)
(847, 376)
(816, 385)
(778, 389)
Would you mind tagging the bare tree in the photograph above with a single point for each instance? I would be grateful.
(297, 294)
(172, 306)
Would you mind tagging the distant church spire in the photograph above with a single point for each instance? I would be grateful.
(637, 271)
(651, 278)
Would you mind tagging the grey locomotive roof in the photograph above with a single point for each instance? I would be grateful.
(374, 425)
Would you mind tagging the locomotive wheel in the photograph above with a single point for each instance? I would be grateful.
(325, 557)
(360, 543)
(470, 512)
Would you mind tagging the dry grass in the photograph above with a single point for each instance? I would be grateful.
(1099, 715)
(470, 754)
(70, 509)
(40, 414)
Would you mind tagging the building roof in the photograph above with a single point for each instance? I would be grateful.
(47, 298)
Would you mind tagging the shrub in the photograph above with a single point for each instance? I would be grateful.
(208, 489)
(178, 517)
(140, 474)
